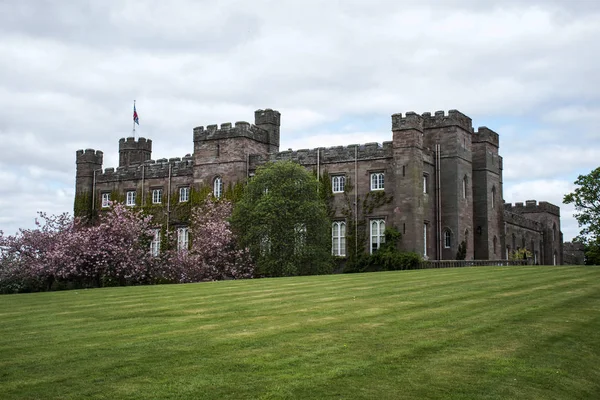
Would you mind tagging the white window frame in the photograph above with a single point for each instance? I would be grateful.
(106, 200)
(338, 183)
(130, 198)
(183, 238)
(184, 194)
(338, 238)
(377, 180)
(447, 239)
(155, 244)
(377, 236)
(425, 183)
(218, 187)
(157, 196)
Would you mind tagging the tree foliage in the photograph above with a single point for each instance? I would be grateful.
(213, 253)
(586, 200)
(63, 252)
(283, 221)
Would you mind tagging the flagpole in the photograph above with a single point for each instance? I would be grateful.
(134, 120)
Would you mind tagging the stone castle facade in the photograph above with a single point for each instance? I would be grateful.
(443, 181)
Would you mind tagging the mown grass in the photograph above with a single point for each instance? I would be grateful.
(467, 333)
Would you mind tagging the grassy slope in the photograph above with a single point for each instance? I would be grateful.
(485, 333)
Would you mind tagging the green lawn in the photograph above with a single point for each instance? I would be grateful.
(465, 333)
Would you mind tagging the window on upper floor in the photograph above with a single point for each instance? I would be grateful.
(130, 198)
(338, 238)
(377, 181)
(157, 196)
(377, 234)
(218, 187)
(425, 183)
(105, 200)
(464, 187)
(493, 199)
(184, 194)
(338, 183)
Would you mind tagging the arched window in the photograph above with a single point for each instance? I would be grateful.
(493, 199)
(218, 187)
(377, 234)
(495, 241)
(338, 238)
(464, 187)
(447, 239)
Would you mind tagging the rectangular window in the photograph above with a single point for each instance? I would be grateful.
(105, 200)
(425, 184)
(183, 235)
(157, 196)
(338, 238)
(377, 234)
(155, 243)
(425, 240)
(377, 180)
(447, 239)
(184, 194)
(130, 198)
(338, 182)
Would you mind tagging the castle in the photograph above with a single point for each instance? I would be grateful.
(443, 180)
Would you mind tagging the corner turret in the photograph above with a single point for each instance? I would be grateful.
(270, 121)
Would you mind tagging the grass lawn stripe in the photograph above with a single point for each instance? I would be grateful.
(482, 332)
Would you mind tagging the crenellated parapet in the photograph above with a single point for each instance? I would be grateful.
(228, 131)
(131, 143)
(484, 134)
(532, 206)
(149, 169)
(411, 120)
(133, 152)
(89, 156)
(442, 120)
(328, 155)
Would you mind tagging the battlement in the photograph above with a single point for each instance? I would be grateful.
(131, 144)
(227, 131)
(329, 155)
(532, 206)
(411, 120)
(149, 169)
(89, 156)
(484, 134)
(440, 120)
(267, 116)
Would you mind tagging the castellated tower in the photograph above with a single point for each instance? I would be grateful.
(132, 152)
(488, 211)
(223, 151)
(269, 120)
(407, 148)
(453, 134)
(89, 163)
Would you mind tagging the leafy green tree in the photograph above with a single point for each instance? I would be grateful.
(282, 220)
(586, 199)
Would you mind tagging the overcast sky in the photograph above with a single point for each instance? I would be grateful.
(336, 70)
